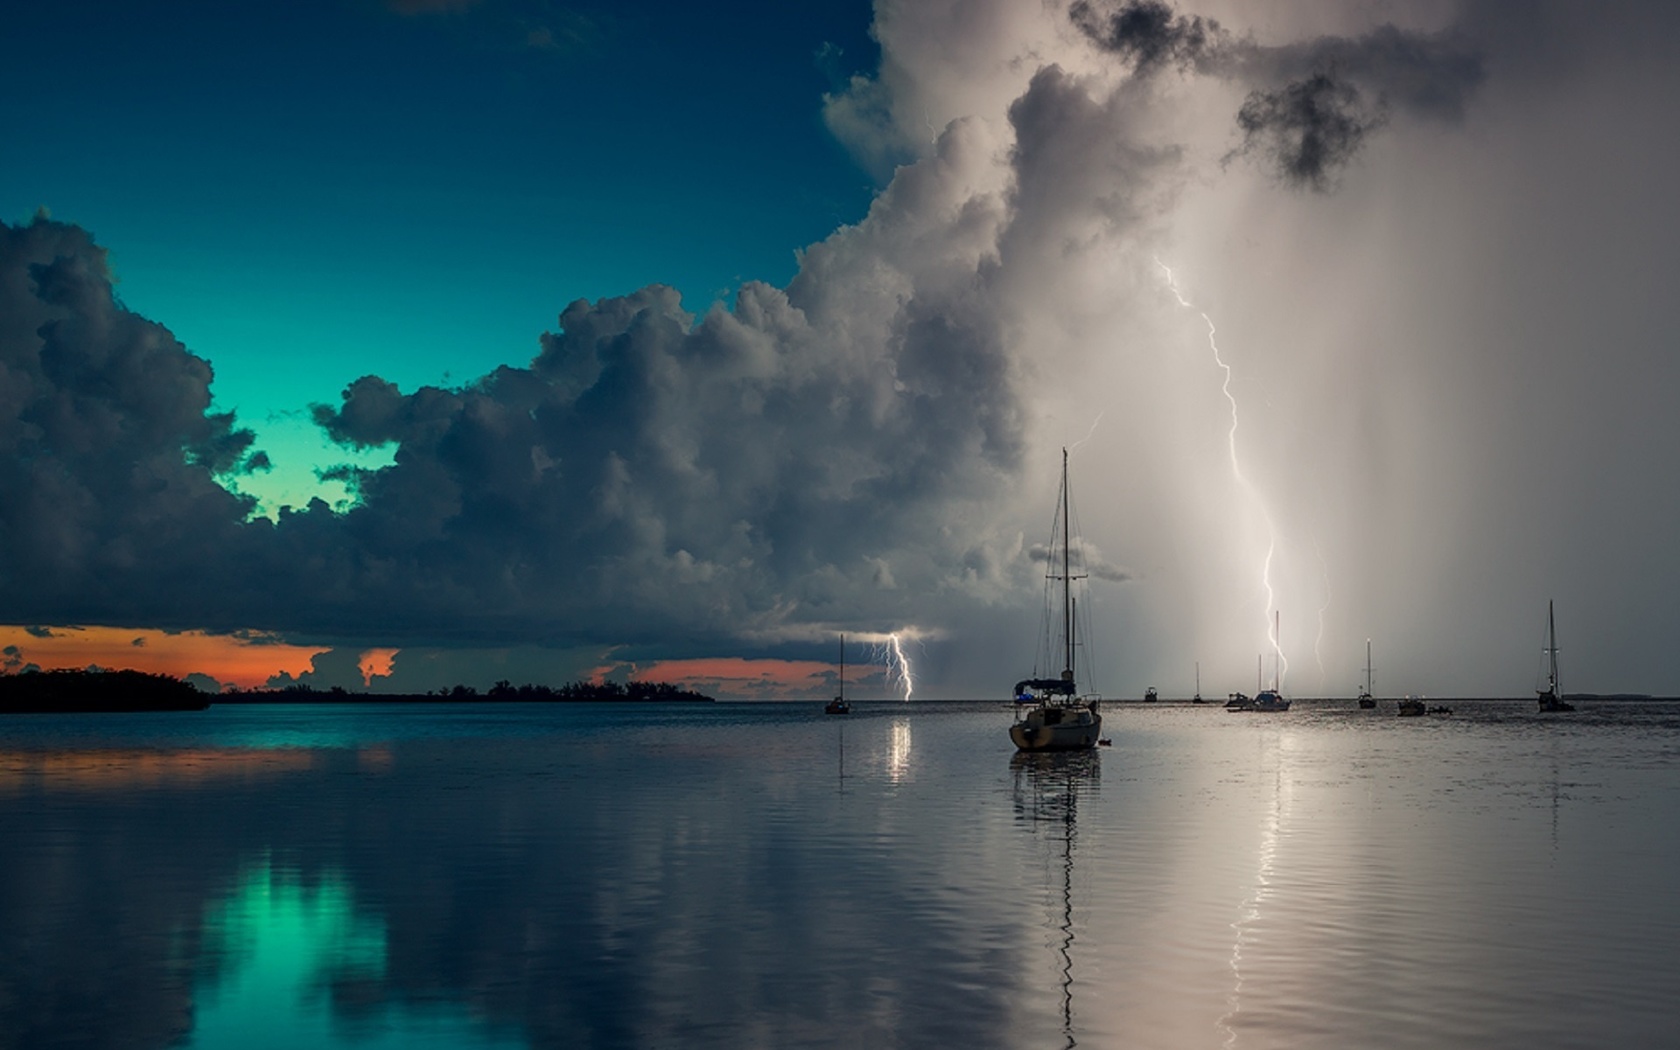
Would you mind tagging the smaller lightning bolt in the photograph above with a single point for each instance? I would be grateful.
(905, 680)
(1088, 434)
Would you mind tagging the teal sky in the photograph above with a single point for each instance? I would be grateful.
(309, 193)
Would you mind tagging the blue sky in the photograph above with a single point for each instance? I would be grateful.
(305, 193)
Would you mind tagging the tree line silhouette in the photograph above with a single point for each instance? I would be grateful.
(118, 691)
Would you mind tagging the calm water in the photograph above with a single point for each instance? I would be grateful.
(763, 876)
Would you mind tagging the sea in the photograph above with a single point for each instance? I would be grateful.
(763, 875)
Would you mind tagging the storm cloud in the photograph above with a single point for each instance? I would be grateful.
(649, 475)
(1313, 103)
(1447, 370)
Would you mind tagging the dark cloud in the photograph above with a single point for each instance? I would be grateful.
(1307, 130)
(650, 475)
(1430, 75)
(1313, 103)
(339, 668)
(1091, 561)
(108, 454)
(1150, 33)
(38, 631)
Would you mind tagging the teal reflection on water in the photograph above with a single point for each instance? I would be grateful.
(285, 946)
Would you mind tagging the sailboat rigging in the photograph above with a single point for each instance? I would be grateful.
(1366, 700)
(1551, 698)
(1266, 700)
(839, 705)
(1051, 716)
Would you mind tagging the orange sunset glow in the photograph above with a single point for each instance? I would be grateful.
(247, 661)
(735, 676)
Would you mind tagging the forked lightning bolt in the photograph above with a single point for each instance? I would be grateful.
(902, 664)
(1236, 471)
(889, 650)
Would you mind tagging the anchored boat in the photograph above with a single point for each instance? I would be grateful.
(1050, 714)
(1550, 698)
(840, 705)
(1366, 700)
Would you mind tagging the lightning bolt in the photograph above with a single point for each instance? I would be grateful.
(1088, 434)
(888, 649)
(1237, 472)
(902, 667)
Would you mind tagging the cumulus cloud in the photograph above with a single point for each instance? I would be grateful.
(109, 455)
(650, 474)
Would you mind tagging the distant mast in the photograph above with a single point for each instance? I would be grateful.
(1551, 651)
(1067, 572)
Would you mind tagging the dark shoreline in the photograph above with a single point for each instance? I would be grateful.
(123, 692)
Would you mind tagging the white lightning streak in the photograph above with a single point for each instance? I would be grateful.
(904, 677)
(1075, 446)
(1236, 472)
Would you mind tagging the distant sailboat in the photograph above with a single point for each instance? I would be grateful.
(839, 705)
(1051, 717)
(1550, 698)
(1271, 700)
(1365, 699)
(1197, 699)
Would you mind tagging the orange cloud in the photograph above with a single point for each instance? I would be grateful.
(734, 676)
(247, 660)
(376, 663)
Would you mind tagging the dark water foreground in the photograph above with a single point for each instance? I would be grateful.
(762, 876)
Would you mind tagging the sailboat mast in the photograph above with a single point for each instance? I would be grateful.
(1367, 665)
(1067, 569)
(1551, 646)
(842, 665)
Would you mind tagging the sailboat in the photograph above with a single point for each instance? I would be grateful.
(1050, 715)
(1366, 700)
(1550, 698)
(839, 705)
(1197, 699)
(1272, 699)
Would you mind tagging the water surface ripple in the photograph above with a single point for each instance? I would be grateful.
(764, 876)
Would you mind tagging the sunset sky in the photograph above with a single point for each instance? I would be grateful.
(399, 344)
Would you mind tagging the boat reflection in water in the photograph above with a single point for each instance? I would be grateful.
(1047, 787)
